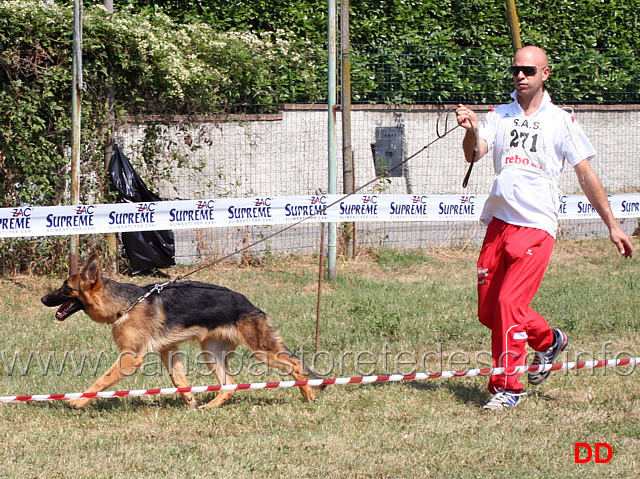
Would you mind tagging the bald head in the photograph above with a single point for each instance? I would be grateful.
(531, 55)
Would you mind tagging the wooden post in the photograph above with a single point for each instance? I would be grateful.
(514, 24)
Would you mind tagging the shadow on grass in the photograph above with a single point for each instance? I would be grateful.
(476, 395)
(464, 393)
(107, 405)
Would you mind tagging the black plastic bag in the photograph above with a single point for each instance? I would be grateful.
(146, 250)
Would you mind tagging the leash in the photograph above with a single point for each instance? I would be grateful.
(474, 158)
(157, 288)
(439, 135)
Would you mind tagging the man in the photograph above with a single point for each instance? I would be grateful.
(531, 139)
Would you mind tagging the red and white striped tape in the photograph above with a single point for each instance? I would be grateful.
(330, 381)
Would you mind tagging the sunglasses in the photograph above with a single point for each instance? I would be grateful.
(528, 71)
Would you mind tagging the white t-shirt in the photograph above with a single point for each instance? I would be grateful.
(529, 153)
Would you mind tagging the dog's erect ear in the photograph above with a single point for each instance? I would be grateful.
(91, 270)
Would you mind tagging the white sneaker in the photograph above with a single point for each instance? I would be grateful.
(504, 399)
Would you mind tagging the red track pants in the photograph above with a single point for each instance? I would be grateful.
(511, 265)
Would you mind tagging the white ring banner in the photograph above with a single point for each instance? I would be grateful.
(27, 221)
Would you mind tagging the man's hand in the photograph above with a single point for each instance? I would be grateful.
(473, 146)
(466, 118)
(622, 242)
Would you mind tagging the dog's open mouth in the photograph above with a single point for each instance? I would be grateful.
(67, 309)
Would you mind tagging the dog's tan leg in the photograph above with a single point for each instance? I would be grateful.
(217, 362)
(266, 344)
(124, 366)
(172, 359)
(288, 362)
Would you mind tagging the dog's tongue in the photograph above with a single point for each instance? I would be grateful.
(65, 310)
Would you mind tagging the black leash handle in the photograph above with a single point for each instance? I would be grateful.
(465, 182)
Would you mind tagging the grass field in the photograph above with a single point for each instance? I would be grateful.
(386, 312)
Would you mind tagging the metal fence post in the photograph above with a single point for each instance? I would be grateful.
(331, 101)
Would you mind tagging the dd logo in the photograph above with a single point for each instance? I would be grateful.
(598, 447)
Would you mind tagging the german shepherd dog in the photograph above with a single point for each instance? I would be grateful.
(220, 319)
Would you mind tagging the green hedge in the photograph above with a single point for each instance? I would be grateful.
(559, 25)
